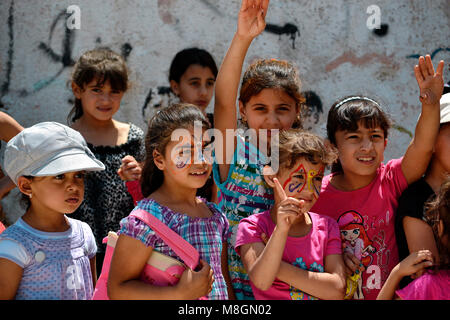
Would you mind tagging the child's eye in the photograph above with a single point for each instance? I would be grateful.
(283, 109)
(80, 175)
(195, 83)
(210, 83)
(299, 177)
(59, 177)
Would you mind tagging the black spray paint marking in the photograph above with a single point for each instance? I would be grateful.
(9, 64)
(432, 55)
(288, 29)
(65, 58)
(126, 50)
(313, 104)
(157, 98)
(382, 31)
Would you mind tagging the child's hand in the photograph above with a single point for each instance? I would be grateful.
(130, 169)
(431, 84)
(251, 19)
(196, 284)
(352, 264)
(288, 209)
(415, 262)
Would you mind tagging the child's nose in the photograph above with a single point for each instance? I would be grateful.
(367, 144)
(272, 120)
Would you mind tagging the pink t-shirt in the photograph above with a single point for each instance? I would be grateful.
(306, 252)
(366, 220)
(430, 286)
(2, 227)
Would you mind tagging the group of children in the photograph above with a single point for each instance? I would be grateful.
(269, 225)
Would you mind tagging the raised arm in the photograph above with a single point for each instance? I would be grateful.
(251, 22)
(431, 85)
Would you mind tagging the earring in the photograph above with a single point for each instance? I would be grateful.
(30, 195)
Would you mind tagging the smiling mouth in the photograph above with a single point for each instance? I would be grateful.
(366, 159)
(198, 173)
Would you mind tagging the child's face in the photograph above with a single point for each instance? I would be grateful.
(62, 193)
(196, 86)
(362, 151)
(270, 109)
(303, 181)
(187, 162)
(99, 102)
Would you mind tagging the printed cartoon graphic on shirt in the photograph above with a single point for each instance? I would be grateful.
(355, 241)
(298, 294)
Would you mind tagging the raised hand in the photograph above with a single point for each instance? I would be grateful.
(431, 83)
(288, 209)
(251, 19)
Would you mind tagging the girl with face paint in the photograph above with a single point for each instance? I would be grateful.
(302, 258)
(178, 161)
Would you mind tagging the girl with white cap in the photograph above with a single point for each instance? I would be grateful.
(45, 254)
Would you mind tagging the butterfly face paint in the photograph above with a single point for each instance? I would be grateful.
(305, 180)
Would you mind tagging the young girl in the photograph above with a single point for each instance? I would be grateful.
(45, 254)
(99, 81)
(269, 99)
(434, 284)
(192, 77)
(412, 232)
(361, 183)
(174, 169)
(302, 259)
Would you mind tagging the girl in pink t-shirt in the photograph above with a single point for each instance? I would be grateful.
(302, 259)
(433, 285)
(361, 186)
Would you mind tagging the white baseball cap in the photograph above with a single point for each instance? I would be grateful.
(48, 149)
(445, 108)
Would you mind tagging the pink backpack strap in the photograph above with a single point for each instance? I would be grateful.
(181, 247)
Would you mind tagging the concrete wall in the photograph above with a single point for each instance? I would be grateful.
(329, 40)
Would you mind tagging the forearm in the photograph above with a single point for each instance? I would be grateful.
(263, 271)
(228, 78)
(322, 285)
(387, 292)
(427, 128)
(420, 150)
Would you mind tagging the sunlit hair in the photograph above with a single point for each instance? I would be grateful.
(296, 143)
(160, 128)
(101, 65)
(439, 210)
(273, 74)
(345, 115)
